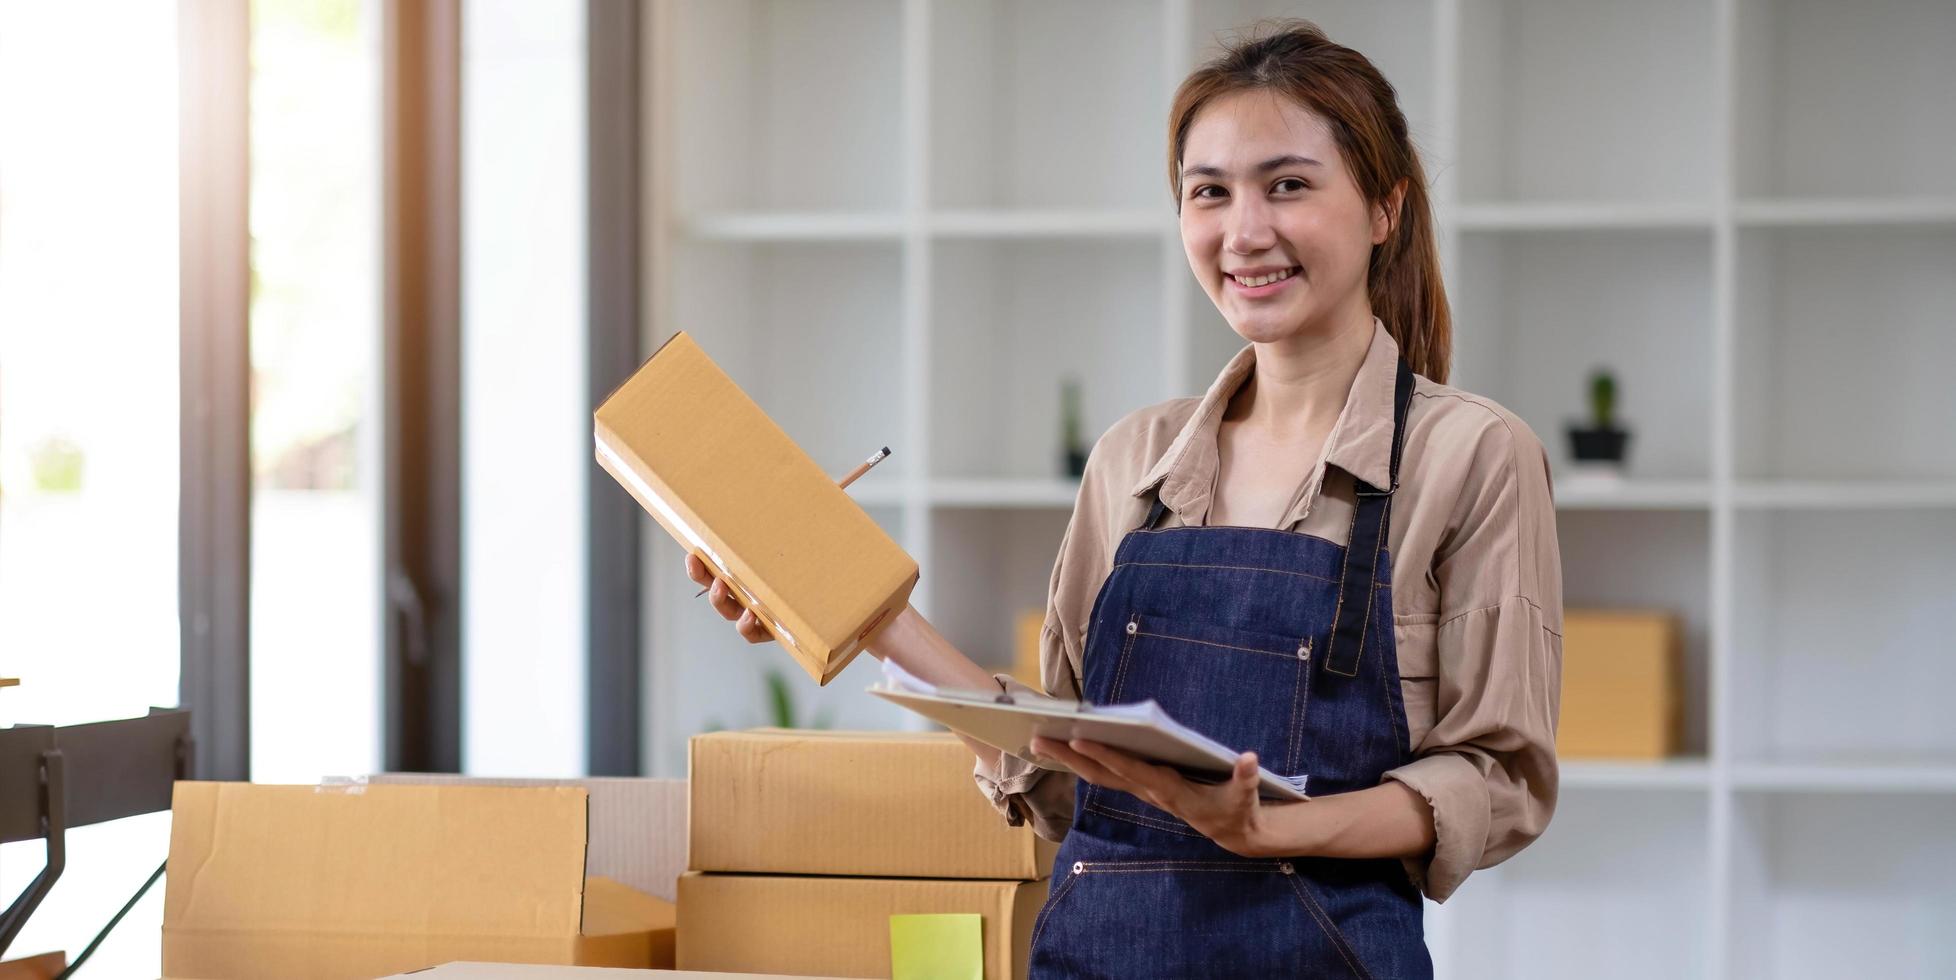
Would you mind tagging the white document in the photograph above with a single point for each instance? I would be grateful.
(1009, 723)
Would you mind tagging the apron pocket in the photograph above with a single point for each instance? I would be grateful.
(1247, 689)
(1187, 918)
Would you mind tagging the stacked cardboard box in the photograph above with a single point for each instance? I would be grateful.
(803, 844)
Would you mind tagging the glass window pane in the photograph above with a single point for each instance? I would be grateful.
(526, 420)
(315, 439)
(88, 421)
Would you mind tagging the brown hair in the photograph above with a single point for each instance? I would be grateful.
(1294, 58)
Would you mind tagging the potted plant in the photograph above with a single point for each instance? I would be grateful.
(1600, 444)
(1072, 430)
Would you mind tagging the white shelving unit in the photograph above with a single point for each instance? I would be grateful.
(905, 221)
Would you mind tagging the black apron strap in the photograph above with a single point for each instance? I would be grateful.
(1365, 549)
(1154, 512)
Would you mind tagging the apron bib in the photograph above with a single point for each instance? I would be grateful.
(1264, 640)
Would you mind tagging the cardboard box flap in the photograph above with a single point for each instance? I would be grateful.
(612, 908)
(638, 825)
(707, 461)
(376, 860)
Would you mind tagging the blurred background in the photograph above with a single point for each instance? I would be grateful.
(304, 306)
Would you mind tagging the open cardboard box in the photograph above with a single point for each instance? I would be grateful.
(725, 481)
(352, 881)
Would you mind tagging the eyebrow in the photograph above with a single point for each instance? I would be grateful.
(1287, 160)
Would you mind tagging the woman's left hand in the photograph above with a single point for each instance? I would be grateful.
(1229, 813)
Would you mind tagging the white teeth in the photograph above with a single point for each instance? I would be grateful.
(1263, 280)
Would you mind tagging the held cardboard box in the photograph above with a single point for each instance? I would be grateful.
(731, 487)
(1620, 680)
(330, 882)
(841, 926)
(882, 804)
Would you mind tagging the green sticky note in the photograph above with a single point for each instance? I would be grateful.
(937, 947)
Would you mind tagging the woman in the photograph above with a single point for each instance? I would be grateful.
(1331, 559)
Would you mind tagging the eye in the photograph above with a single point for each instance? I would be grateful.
(1301, 185)
(1197, 193)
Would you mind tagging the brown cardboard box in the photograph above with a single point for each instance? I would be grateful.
(731, 487)
(527, 971)
(329, 882)
(638, 826)
(1620, 685)
(887, 804)
(840, 926)
(1025, 648)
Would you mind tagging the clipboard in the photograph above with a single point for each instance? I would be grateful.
(1142, 729)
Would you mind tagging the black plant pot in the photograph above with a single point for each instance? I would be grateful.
(1598, 445)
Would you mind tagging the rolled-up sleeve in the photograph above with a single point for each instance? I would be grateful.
(1487, 767)
(1021, 791)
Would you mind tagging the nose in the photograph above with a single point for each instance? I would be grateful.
(1249, 229)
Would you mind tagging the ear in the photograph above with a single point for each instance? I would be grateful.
(1385, 214)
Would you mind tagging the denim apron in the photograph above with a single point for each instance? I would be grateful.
(1262, 639)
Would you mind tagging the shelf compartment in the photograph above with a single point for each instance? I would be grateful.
(1571, 906)
(784, 105)
(1564, 101)
(1831, 885)
(987, 567)
(1535, 312)
(1845, 99)
(811, 333)
(1844, 346)
(1009, 321)
(1648, 560)
(1025, 115)
(1840, 638)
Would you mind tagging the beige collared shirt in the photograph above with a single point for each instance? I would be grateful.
(1476, 593)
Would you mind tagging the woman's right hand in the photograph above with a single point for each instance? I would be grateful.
(745, 622)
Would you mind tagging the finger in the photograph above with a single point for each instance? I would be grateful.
(749, 626)
(1085, 767)
(1125, 768)
(723, 601)
(696, 570)
(1159, 783)
(1243, 781)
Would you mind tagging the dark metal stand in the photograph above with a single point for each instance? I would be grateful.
(53, 778)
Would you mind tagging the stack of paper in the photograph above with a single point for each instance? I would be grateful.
(1009, 722)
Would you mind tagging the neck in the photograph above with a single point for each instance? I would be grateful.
(1301, 382)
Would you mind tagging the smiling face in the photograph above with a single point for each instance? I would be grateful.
(1275, 227)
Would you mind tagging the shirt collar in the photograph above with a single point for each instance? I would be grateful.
(1360, 442)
